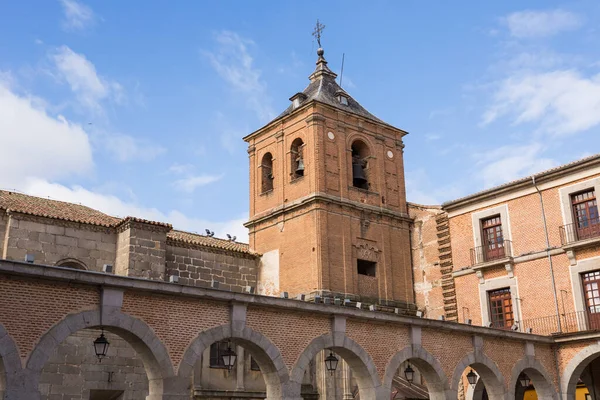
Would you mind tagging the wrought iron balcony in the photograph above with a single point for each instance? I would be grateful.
(490, 252)
(578, 321)
(579, 231)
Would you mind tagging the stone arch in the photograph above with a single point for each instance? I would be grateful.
(266, 173)
(71, 263)
(575, 367)
(361, 363)
(140, 337)
(486, 369)
(542, 381)
(10, 364)
(428, 365)
(297, 159)
(265, 353)
(361, 169)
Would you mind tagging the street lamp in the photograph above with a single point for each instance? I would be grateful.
(101, 346)
(409, 374)
(472, 378)
(525, 381)
(229, 357)
(331, 362)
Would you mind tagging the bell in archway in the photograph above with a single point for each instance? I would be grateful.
(300, 167)
(358, 175)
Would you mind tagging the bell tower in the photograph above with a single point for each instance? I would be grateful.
(327, 199)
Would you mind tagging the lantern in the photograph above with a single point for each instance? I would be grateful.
(101, 346)
(525, 381)
(331, 363)
(409, 374)
(472, 378)
(229, 358)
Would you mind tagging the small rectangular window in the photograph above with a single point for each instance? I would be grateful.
(585, 215)
(365, 267)
(254, 365)
(216, 354)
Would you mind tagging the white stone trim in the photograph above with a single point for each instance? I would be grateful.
(565, 196)
(495, 284)
(476, 218)
(575, 272)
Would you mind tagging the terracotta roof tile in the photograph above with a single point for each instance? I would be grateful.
(54, 209)
(193, 238)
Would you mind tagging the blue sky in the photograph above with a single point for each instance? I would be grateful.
(138, 108)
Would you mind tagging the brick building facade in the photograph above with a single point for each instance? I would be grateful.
(503, 282)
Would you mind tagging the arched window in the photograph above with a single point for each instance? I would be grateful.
(266, 167)
(71, 263)
(297, 159)
(360, 164)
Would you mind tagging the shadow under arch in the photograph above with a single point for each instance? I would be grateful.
(428, 365)
(264, 352)
(10, 363)
(488, 373)
(361, 363)
(570, 375)
(542, 381)
(137, 333)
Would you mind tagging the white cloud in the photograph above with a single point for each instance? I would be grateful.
(191, 183)
(511, 162)
(234, 64)
(78, 16)
(531, 24)
(81, 76)
(430, 137)
(561, 102)
(113, 205)
(36, 143)
(180, 169)
(127, 148)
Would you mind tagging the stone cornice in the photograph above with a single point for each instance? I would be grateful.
(90, 278)
(326, 198)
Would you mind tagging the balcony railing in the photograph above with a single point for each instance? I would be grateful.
(490, 252)
(581, 230)
(579, 321)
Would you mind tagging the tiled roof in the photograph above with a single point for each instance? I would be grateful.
(41, 207)
(194, 238)
(54, 209)
(539, 175)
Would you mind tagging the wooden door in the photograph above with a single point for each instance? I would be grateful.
(585, 215)
(591, 288)
(501, 312)
(493, 239)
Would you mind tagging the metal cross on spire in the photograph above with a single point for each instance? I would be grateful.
(317, 32)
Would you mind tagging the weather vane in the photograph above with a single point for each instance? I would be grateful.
(317, 32)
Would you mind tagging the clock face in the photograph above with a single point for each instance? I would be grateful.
(331, 136)
(390, 154)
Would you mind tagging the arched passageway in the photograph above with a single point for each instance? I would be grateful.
(425, 364)
(582, 374)
(136, 333)
(528, 375)
(485, 372)
(10, 365)
(262, 351)
(358, 360)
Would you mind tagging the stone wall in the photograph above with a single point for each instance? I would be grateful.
(199, 267)
(51, 241)
(74, 373)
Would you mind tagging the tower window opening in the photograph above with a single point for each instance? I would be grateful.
(365, 267)
(297, 159)
(360, 155)
(267, 173)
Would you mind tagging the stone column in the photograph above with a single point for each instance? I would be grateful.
(346, 381)
(240, 364)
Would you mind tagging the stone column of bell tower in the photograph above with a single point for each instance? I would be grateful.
(327, 199)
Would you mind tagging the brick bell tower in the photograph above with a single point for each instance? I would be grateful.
(327, 199)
